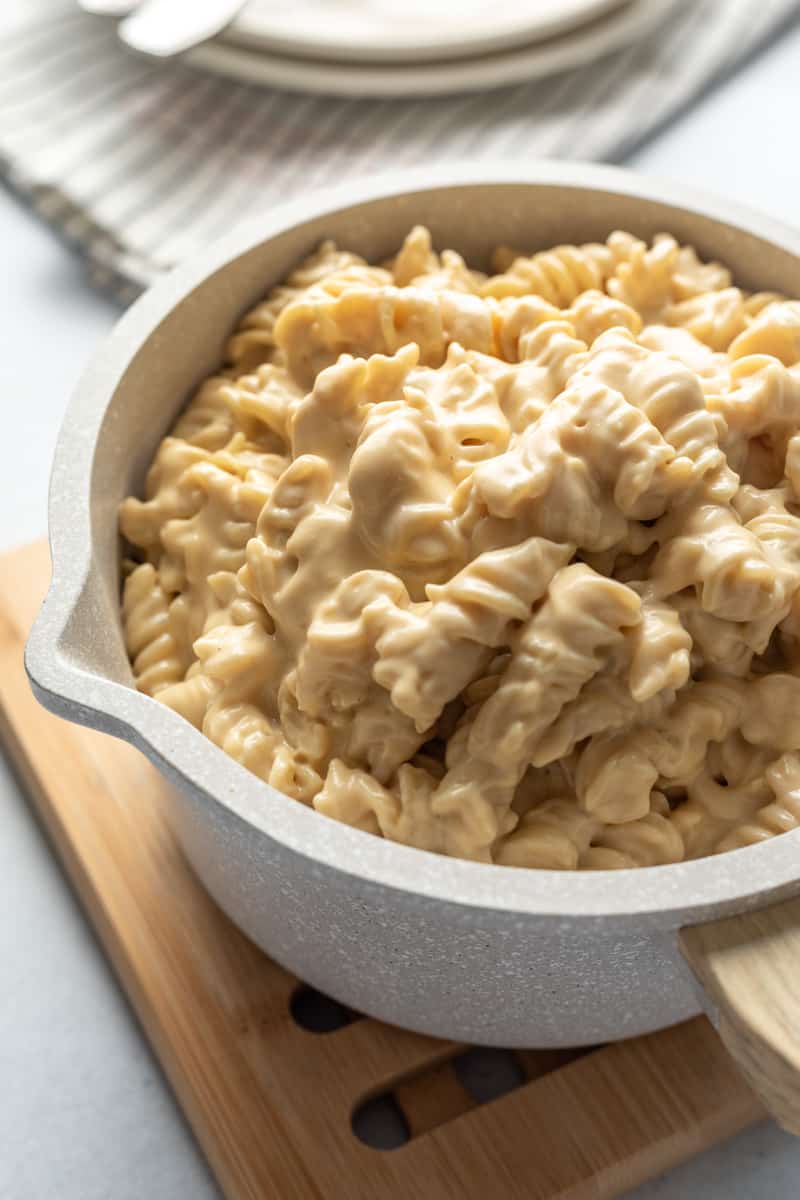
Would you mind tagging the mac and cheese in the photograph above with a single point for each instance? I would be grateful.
(502, 566)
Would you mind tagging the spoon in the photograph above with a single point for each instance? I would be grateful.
(166, 27)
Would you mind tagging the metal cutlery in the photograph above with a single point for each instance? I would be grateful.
(166, 27)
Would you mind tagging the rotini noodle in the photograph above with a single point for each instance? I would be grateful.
(502, 566)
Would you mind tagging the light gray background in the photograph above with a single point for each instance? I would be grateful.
(84, 1111)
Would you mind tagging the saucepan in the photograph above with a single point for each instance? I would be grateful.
(479, 953)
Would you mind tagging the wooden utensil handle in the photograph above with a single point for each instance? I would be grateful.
(749, 967)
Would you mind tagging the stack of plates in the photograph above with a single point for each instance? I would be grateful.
(419, 47)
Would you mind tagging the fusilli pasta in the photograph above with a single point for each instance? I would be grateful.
(503, 566)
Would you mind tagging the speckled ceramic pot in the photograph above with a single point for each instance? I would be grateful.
(480, 953)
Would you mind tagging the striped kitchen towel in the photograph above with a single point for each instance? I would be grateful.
(138, 162)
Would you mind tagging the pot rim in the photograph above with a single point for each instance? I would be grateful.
(667, 895)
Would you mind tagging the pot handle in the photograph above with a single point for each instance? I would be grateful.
(749, 968)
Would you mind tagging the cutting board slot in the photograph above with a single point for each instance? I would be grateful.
(317, 1013)
(439, 1092)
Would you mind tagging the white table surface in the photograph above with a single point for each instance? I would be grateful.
(84, 1111)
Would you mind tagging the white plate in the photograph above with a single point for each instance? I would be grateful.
(404, 30)
(618, 28)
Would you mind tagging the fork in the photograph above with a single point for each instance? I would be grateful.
(166, 27)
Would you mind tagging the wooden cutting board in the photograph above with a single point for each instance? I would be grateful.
(271, 1100)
